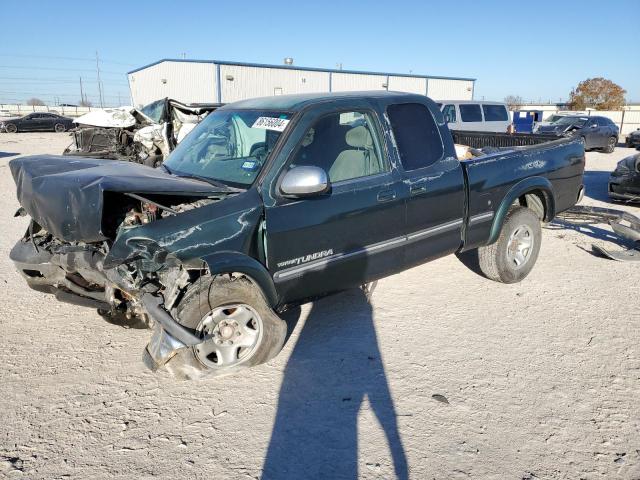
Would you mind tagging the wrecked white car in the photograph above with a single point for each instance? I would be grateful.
(144, 136)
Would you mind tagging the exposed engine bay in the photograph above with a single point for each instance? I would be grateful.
(83, 273)
(145, 135)
(83, 255)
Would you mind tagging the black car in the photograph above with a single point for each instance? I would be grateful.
(597, 132)
(44, 121)
(624, 182)
(633, 139)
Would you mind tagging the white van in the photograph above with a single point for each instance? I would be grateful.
(478, 116)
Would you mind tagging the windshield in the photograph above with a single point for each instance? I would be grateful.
(570, 121)
(229, 146)
(155, 110)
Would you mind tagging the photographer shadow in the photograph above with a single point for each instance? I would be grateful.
(334, 365)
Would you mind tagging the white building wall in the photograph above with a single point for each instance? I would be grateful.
(240, 82)
(188, 82)
(444, 89)
(408, 84)
(349, 82)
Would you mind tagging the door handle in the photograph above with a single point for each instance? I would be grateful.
(418, 189)
(386, 195)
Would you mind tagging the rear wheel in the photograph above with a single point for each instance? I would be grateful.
(513, 255)
(11, 128)
(59, 128)
(611, 145)
(238, 328)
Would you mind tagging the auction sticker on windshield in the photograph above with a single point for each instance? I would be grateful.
(271, 123)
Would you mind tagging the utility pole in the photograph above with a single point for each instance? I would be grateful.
(119, 100)
(82, 98)
(99, 81)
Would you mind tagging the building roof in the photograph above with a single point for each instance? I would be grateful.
(300, 100)
(295, 67)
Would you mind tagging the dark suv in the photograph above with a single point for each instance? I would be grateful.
(597, 132)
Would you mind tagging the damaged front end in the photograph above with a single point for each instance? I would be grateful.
(111, 245)
(145, 136)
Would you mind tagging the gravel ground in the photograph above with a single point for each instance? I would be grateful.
(445, 375)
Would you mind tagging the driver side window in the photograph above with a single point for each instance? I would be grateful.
(345, 145)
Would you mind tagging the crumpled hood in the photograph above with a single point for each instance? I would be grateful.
(65, 195)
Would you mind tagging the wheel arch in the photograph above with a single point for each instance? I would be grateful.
(538, 187)
(233, 262)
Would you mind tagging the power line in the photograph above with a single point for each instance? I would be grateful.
(75, 59)
(110, 72)
(23, 80)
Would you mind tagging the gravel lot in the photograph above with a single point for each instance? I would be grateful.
(445, 375)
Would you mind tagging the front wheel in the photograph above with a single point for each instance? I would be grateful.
(11, 128)
(238, 328)
(59, 128)
(513, 255)
(611, 145)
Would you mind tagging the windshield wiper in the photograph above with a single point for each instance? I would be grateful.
(210, 181)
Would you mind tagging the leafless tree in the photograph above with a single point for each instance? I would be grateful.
(513, 101)
(33, 101)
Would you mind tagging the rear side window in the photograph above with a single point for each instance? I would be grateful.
(470, 112)
(416, 134)
(449, 113)
(495, 113)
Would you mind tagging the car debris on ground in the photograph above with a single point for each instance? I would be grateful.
(625, 226)
(146, 135)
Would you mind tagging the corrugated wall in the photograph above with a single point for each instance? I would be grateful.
(408, 84)
(240, 82)
(188, 82)
(444, 89)
(197, 82)
(349, 82)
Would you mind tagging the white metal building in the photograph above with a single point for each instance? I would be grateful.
(210, 81)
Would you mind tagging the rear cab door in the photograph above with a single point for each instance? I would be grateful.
(433, 178)
(354, 233)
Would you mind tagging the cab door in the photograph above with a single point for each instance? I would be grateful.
(350, 235)
(434, 181)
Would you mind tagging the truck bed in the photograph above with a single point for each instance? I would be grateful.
(554, 167)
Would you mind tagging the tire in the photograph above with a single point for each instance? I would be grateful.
(59, 128)
(11, 128)
(498, 262)
(611, 145)
(627, 143)
(203, 302)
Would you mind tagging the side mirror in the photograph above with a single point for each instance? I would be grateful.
(305, 181)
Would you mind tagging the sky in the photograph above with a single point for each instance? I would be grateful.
(538, 50)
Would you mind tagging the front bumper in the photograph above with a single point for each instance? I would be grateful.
(77, 277)
(633, 142)
(71, 277)
(625, 187)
